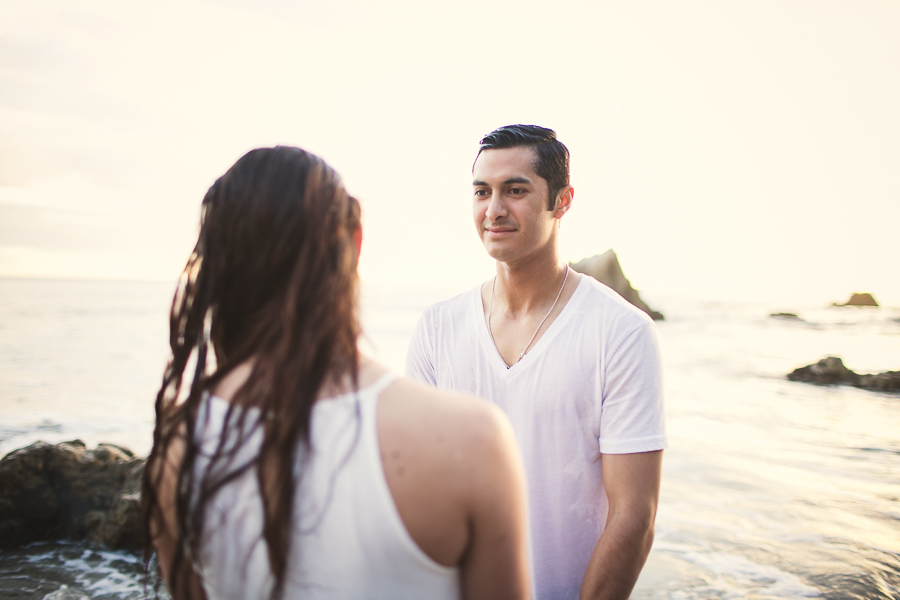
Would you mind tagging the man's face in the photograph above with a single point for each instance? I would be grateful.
(509, 204)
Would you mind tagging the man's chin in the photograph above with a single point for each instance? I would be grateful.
(498, 254)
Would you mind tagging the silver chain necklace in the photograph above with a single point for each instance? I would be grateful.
(528, 345)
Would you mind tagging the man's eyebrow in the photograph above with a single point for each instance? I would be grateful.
(517, 180)
(507, 182)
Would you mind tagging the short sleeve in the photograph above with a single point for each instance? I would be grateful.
(632, 418)
(420, 354)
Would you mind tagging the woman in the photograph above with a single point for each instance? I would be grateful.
(293, 466)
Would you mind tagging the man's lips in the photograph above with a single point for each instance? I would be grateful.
(498, 231)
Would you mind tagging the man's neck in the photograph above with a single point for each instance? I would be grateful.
(522, 288)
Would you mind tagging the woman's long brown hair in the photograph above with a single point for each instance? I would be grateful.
(272, 280)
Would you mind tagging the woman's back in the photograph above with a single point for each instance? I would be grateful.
(386, 506)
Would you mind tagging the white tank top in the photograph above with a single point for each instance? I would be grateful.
(348, 538)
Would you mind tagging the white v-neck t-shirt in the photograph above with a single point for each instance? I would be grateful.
(591, 384)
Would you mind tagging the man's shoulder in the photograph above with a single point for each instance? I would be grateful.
(604, 303)
(452, 308)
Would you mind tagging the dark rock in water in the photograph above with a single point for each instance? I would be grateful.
(889, 381)
(65, 491)
(605, 268)
(828, 371)
(857, 299)
(785, 315)
(831, 371)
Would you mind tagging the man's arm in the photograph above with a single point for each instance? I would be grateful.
(632, 486)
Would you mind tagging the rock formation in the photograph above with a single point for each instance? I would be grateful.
(828, 371)
(605, 269)
(889, 381)
(831, 371)
(857, 299)
(65, 491)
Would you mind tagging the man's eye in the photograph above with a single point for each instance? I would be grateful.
(516, 191)
(480, 192)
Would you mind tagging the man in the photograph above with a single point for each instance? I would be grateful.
(574, 366)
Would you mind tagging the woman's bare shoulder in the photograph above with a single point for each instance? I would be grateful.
(455, 417)
(448, 459)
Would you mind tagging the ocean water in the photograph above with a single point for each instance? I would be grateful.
(771, 489)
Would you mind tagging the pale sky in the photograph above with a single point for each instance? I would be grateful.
(733, 149)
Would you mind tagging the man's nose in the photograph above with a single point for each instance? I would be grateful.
(496, 207)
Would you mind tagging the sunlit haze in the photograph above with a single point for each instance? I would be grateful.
(732, 149)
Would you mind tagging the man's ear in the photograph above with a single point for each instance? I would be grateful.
(357, 242)
(563, 201)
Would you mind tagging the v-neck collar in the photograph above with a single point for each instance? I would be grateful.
(494, 354)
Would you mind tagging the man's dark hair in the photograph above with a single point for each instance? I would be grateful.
(551, 156)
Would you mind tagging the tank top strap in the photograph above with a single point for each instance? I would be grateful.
(374, 390)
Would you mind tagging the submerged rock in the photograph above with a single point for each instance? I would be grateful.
(831, 371)
(828, 371)
(65, 491)
(856, 299)
(605, 268)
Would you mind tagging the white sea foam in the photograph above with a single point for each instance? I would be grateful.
(101, 574)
